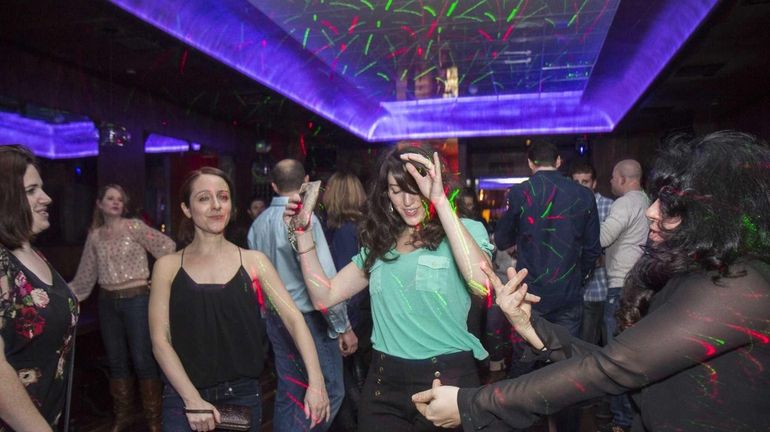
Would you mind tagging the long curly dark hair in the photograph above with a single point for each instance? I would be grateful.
(381, 226)
(719, 186)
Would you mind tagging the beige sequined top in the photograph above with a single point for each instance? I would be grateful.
(119, 258)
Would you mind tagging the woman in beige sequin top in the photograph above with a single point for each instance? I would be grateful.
(115, 255)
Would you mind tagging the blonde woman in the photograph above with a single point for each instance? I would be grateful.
(115, 255)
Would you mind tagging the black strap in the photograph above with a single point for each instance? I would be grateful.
(240, 255)
(181, 263)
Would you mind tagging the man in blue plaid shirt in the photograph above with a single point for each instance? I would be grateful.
(595, 294)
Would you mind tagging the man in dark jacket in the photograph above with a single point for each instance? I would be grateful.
(554, 224)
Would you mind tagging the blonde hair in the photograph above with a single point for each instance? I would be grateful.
(98, 218)
(343, 199)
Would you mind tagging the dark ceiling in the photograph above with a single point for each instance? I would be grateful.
(724, 67)
(103, 41)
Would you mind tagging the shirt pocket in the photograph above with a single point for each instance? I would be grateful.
(432, 273)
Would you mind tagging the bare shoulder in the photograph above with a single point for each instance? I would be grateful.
(254, 257)
(168, 264)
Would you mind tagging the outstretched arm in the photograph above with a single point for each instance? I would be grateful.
(152, 240)
(679, 335)
(324, 292)
(316, 400)
(337, 315)
(85, 278)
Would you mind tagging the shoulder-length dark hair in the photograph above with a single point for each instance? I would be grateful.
(98, 218)
(186, 231)
(381, 225)
(343, 199)
(15, 214)
(719, 186)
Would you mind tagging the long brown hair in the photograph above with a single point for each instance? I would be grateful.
(186, 231)
(381, 226)
(98, 219)
(15, 213)
(343, 199)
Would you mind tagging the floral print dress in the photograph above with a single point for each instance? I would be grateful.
(37, 324)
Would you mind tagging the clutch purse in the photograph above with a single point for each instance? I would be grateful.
(233, 417)
(308, 193)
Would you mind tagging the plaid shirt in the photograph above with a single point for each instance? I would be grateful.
(596, 287)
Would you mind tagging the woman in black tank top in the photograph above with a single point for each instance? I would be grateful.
(204, 317)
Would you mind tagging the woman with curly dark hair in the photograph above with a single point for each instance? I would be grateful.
(421, 263)
(695, 351)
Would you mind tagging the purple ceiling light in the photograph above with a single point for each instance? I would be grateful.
(156, 143)
(73, 139)
(396, 69)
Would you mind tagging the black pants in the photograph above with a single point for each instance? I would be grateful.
(386, 402)
(592, 327)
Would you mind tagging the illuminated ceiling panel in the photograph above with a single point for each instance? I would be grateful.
(398, 69)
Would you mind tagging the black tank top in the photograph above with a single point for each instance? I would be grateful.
(216, 329)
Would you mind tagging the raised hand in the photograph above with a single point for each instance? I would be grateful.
(293, 208)
(513, 298)
(431, 184)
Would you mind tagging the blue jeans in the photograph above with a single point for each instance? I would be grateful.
(290, 370)
(570, 317)
(126, 336)
(620, 406)
(245, 392)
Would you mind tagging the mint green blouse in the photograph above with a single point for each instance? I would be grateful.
(420, 301)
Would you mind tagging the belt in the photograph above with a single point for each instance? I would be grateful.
(126, 292)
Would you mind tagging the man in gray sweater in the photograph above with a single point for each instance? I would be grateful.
(623, 233)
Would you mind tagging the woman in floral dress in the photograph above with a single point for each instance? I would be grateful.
(38, 312)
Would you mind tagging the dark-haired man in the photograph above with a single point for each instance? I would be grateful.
(268, 234)
(595, 294)
(554, 224)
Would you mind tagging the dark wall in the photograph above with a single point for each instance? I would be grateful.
(40, 81)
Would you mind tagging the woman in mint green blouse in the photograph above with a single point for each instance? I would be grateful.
(421, 264)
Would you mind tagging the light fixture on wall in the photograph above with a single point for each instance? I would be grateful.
(113, 135)
(582, 147)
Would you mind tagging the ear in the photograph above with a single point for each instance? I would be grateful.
(531, 165)
(275, 188)
(185, 210)
(306, 179)
(558, 162)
